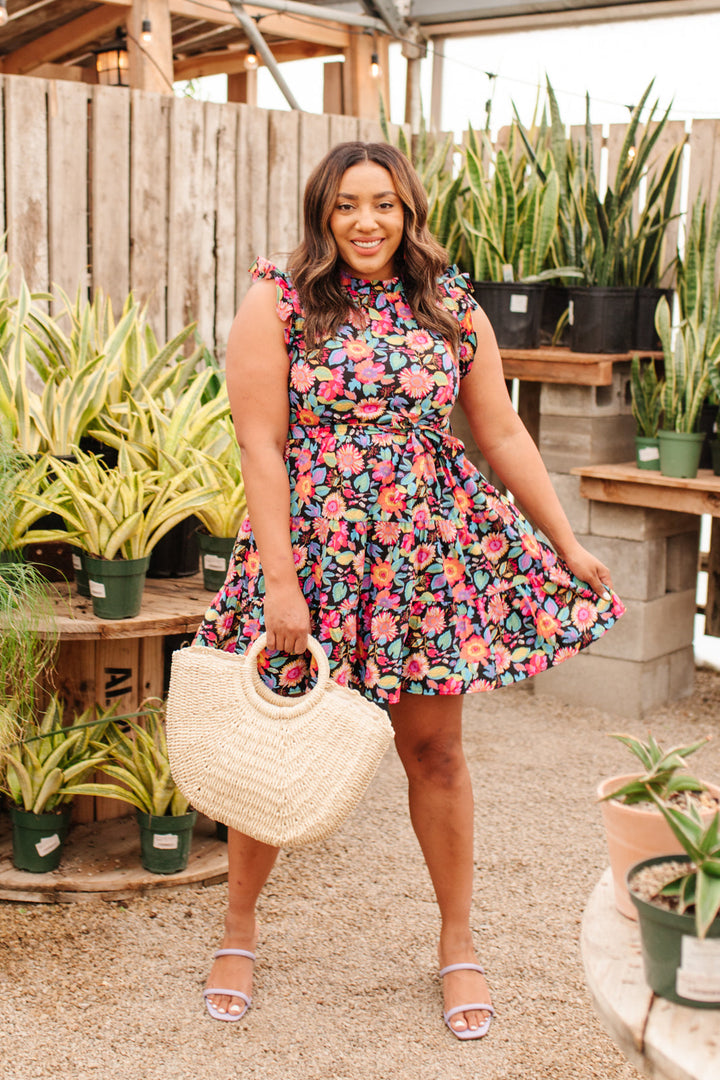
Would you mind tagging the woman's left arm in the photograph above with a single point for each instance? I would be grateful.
(509, 450)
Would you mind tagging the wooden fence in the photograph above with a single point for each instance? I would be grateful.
(121, 190)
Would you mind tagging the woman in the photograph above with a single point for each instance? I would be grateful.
(372, 531)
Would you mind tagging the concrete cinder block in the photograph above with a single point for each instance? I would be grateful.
(568, 441)
(574, 504)
(650, 629)
(638, 567)
(637, 522)
(557, 399)
(622, 687)
(682, 560)
(682, 673)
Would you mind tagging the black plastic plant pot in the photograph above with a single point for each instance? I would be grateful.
(37, 839)
(678, 965)
(177, 555)
(215, 554)
(602, 320)
(646, 336)
(555, 304)
(165, 842)
(116, 585)
(514, 310)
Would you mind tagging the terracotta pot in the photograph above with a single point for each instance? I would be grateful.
(635, 833)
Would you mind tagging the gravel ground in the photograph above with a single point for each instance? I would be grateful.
(346, 983)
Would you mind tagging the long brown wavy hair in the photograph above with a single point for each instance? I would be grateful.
(315, 263)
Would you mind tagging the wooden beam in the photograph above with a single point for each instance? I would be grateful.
(72, 35)
(150, 63)
(242, 87)
(275, 25)
(231, 62)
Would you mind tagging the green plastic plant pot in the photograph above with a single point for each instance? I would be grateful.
(678, 965)
(680, 452)
(116, 585)
(215, 552)
(165, 841)
(647, 453)
(37, 839)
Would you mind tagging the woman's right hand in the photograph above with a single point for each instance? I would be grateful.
(287, 618)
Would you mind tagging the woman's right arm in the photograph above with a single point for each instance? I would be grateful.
(257, 381)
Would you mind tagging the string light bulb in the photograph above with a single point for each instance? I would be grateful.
(375, 69)
(631, 153)
(3, 12)
(146, 32)
(251, 61)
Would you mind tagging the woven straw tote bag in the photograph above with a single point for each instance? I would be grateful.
(284, 770)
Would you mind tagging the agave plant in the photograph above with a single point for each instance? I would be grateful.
(138, 759)
(42, 767)
(699, 888)
(646, 391)
(687, 369)
(664, 770)
(223, 514)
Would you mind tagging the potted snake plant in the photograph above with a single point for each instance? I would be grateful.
(646, 403)
(685, 387)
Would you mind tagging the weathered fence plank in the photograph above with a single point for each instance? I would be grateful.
(283, 156)
(186, 201)
(110, 192)
(26, 180)
(343, 129)
(704, 171)
(314, 144)
(67, 186)
(252, 193)
(149, 145)
(225, 232)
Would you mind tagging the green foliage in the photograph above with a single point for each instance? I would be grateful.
(138, 758)
(699, 888)
(663, 774)
(687, 370)
(646, 390)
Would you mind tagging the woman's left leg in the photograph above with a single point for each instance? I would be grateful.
(428, 737)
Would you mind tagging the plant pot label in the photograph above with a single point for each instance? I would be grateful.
(519, 304)
(97, 589)
(166, 841)
(47, 844)
(76, 562)
(214, 562)
(649, 453)
(698, 977)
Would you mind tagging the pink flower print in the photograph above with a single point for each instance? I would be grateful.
(386, 600)
(494, 546)
(349, 627)
(403, 310)
(528, 607)
(422, 556)
(420, 341)
(293, 673)
(444, 395)
(565, 653)
(421, 518)
(284, 310)
(357, 349)
(447, 529)
(531, 545)
(339, 539)
(383, 471)
(321, 529)
(386, 532)
(368, 371)
(329, 389)
(416, 382)
(329, 620)
(372, 674)
(416, 666)
(334, 507)
(497, 609)
(584, 614)
(245, 527)
(370, 409)
(452, 685)
(463, 627)
(225, 624)
(536, 664)
(502, 659)
(383, 627)
(349, 459)
(560, 576)
(382, 325)
(300, 555)
(434, 621)
(302, 376)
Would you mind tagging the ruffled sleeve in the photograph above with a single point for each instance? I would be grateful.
(287, 304)
(457, 296)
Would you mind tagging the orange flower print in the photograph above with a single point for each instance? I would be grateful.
(307, 417)
(497, 609)
(304, 487)
(416, 666)
(453, 570)
(416, 382)
(386, 532)
(293, 673)
(334, 507)
(357, 349)
(383, 627)
(447, 529)
(547, 624)
(382, 574)
(372, 674)
(584, 614)
(420, 341)
(349, 459)
(531, 545)
(462, 500)
(476, 650)
(252, 564)
(434, 621)
(367, 371)
(300, 555)
(502, 658)
(494, 546)
(392, 499)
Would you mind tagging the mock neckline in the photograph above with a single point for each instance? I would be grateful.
(357, 284)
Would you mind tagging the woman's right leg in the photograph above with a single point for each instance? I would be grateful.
(249, 865)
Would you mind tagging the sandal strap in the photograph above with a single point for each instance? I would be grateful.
(472, 1007)
(460, 967)
(235, 952)
(225, 992)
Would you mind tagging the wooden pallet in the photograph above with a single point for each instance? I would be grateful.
(558, 365)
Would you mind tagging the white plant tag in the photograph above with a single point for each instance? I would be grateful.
(165, 841)
(571, 313)
(47, 844)
(77, 562)
(648, 453)
(97, 589)
(507, 272)
(214, 562)
(518, 303)
(698, 977)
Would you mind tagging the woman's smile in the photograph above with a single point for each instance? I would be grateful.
(368, 221)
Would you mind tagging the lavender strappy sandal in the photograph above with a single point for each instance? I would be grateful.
(216, 1015)
(468, 1033)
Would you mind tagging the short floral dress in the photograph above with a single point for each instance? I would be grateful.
(419, 575)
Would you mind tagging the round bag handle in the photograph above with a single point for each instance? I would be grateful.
(289, 705)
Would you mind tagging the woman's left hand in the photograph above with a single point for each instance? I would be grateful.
(588, 568)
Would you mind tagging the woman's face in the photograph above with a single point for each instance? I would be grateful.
(367, 221)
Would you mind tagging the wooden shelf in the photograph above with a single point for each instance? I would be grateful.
(558, 365)
(626, 484)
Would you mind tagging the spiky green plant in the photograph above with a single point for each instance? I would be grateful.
(687, 358)
(646, 391)
(664, 773)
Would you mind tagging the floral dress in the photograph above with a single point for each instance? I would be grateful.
(419, 575)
